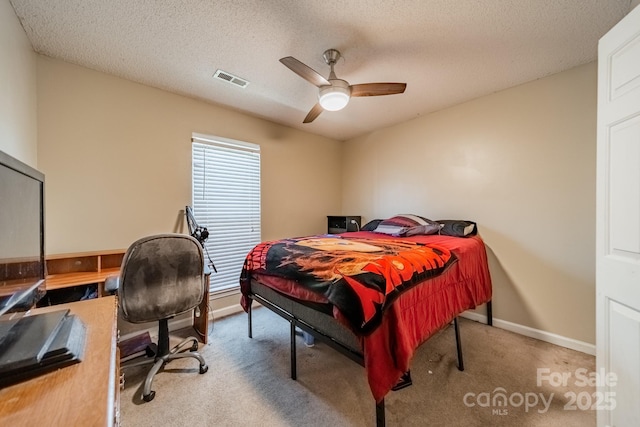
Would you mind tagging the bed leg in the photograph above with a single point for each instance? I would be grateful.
(489, 314)
(458, 344)
(380, 418)
(293, 350)
(249, 319)
(405, 381)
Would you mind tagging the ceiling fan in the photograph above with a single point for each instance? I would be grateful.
(335, 93)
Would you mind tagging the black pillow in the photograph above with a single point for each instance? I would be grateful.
(458, 228)
(371, 225)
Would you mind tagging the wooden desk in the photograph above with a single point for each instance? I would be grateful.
(87, 268)
(201, 315)
(83, 268)
(84, 394)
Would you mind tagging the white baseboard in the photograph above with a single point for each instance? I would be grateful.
(534, 333)
(226, 311)
(471, 315)
(188, 321)
(174, 325)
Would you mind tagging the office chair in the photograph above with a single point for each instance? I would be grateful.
(161, 276)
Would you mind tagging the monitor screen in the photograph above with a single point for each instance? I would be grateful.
(22, 268)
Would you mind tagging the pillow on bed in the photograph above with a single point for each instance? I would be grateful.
(458, 228)
(407, 225)
(371, 225)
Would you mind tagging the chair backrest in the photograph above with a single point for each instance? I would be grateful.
(161, 276)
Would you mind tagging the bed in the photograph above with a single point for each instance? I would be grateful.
(373, 296)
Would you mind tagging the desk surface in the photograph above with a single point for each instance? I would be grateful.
(83, 394)
(61, 281)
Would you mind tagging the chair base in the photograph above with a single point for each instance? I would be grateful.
(177, 352)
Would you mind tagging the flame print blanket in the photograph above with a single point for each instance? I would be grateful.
(359, 276)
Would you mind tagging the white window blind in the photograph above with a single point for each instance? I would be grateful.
(226, 200)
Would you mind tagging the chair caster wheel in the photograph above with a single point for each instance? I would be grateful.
(151, 350)
(204, 369)
(149, 397)
(194, 346)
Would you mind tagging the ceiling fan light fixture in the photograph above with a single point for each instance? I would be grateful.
(334, 97)
(334, 93)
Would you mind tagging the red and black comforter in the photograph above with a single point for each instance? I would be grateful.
(361, 277)
(423, 302)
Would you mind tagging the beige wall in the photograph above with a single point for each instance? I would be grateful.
(117, 157)
(18, 129)
(521, 163)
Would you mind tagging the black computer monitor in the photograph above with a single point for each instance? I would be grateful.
(36, 344)
(22, 259)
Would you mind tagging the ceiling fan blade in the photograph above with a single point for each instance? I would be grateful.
(304, 71)
(377, 89)
(315, 112)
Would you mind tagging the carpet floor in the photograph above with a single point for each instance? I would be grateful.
(509, 380)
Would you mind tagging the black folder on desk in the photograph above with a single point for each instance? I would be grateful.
(37, 344)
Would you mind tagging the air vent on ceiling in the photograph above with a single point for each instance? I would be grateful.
(230, 78)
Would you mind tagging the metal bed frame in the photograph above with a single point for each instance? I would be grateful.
(354, 354)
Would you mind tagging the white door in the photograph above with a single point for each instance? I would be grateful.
(618, 226)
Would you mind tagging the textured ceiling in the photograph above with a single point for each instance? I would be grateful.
(447, 51)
